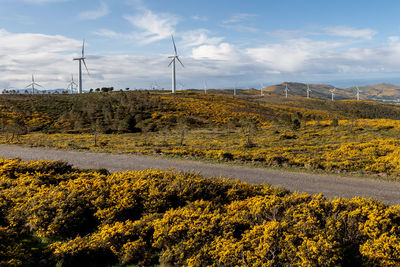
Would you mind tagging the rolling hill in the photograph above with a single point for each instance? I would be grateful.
(382, 92)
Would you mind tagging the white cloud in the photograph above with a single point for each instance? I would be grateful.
(200, 18)
(199, 37)
(214, 59)
(149, 26)
(223, 51)
(239, 18)
(24, 53)
(293, 55)
(28, 43)
(153, 26)
(97, 13)
(236, 23)
(107, 33)
(345, 31)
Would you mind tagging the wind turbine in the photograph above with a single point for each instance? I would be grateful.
(72, 84)
(333, 93)
(261, 89)
(154, 85)
(358, 93)
(205, 87)
(286, 90)
(33, 85)
(81, 59)
(174, 57)
(308, 90)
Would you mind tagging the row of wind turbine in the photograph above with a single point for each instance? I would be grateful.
(332, 91)
(72, 85)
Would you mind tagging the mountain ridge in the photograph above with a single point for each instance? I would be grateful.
(382, 92)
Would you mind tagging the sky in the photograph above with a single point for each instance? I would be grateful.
(222, 43)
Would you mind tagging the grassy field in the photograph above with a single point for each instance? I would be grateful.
(341, 136)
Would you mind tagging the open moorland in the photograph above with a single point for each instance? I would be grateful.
(54, 214)
(334, 136)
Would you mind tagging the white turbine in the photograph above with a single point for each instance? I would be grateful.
(155, 85)
(358, 93)
(205, 87)
(32, 85)
(81, 59)
(308, 90)
(333, 93)
(72, 85)
(174, 57)
(261, 89)
(286, 90)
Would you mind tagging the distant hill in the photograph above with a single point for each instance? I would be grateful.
(382, 92)
(379, 92)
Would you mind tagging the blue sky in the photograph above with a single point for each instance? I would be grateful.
(221, 43)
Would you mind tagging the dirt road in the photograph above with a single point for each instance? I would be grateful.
(329, 185)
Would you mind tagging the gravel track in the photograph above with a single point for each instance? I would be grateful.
(329, 185)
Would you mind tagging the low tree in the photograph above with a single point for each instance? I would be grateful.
(296, 124)
(249, 128)
(182, 128)
(335, 122)
(15, 128)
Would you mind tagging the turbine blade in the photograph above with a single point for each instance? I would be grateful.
(28, 86)
(83, 48)
(180, 61)
(173, 41)
(84, 63)
(37, 84)
(171, 62)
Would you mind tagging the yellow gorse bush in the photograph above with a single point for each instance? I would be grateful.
(52, 212)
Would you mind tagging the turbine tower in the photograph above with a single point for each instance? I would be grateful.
(286, 90)
(333, 93)
(261, 89)
(174, 57)
(308, 91)
(72, 84)
(358, 93)
(205, 87)
(32, 85)
(81, 59)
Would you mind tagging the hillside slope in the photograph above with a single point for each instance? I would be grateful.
(382, 92)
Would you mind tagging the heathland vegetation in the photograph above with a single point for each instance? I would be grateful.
(53, 214)
(338, 136)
